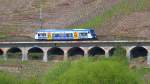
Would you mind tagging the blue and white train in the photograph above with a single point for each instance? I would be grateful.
(65, 34)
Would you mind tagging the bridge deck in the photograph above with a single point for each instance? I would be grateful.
(64, 42)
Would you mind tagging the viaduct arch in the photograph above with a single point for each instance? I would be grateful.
(138, 51)
(1, 52)
(35, 53)
(75, 52)
(55, 53)
(14, 53)
(112, 50)
(96, 51)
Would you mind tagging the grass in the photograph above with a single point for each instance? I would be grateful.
(125, 7)
(6, 78)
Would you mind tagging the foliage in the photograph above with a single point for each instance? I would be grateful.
(8, 79)
(35, 56)
(88, 71)
(14, 55)
(120, 54)
(57, 71)
(83, 71)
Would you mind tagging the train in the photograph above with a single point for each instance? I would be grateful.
(65, 34)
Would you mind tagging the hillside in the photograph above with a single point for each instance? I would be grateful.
(129, 19)
(19, 18)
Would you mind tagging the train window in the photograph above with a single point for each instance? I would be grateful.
(53, 35)
(92, 32)
(61, 34)
(38, 34)
(69, 35)
(42, 34)
(83, 34)
(56, 35)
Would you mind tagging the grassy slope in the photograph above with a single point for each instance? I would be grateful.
(125, 7)
(36, 72)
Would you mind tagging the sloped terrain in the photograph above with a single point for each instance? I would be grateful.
(135, 25)
(111, 19)
(128, 20)
(19, 18)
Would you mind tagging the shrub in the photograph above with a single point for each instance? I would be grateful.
(87, 71)
(35, 56)
(14, 55)
(120, 54)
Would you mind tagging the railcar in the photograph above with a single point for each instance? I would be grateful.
(65, 34)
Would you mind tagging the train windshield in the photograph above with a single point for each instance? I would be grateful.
(93, 33)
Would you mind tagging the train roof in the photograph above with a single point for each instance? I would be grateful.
(52, 30)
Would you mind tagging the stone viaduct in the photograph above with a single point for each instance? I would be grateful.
(69, 49)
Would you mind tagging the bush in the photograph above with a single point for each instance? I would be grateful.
(14, 55)
(87, 71)
(120, 54)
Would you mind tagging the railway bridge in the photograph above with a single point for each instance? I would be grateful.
(70, 49)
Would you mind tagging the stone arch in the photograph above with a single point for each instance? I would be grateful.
(55, 53)
(112, 50)
(138, 51)
(1, 52)
(14, 52)
(75, 52)
(96, 51)
(35, 53)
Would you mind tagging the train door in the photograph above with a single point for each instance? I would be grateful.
(75, 35)
(49, 36)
